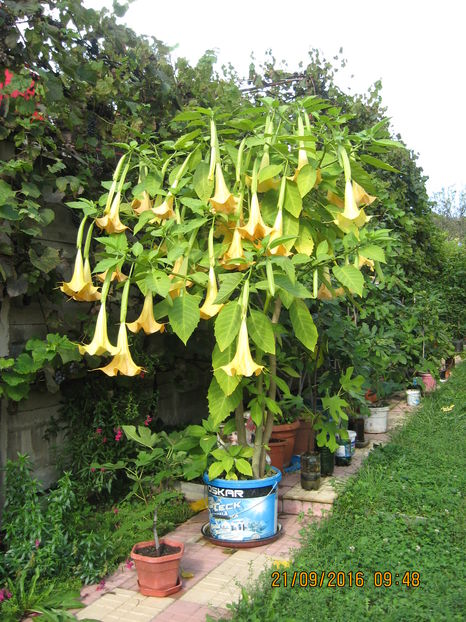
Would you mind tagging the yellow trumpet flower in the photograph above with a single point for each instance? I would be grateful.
(255, 228)
(146, 320)
(242, 363)
(235, 251)
(302, 162)
(78, 281)
(277, 232)
(347, 225)
(351, 211)
(335, 199)
(223, 200)
(122, 362)
(209, 309)
(100, 343)
(116, 274)
(324, 293)
(89, 293)
(360, 195)
(165, 210)
(111, 222)
(318, 178)
(142, 205)
(178, 282)
(364, 261)
(268, 184)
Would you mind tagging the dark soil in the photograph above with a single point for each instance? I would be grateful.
(165, 549)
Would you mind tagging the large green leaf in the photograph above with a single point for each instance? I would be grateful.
(295, 289)
(303, 324)
(306, 179)
(269, 171)
(371, 251)
(378, 163)
(221, 405)
(261, 331)
(228, 284)
(227, 324)
(293, 202)
(201, 182)
(227, 383)
(184, 316)
(350, 277)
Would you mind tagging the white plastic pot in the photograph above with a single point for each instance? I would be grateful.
(352, 438)
(413, 397)
(377, 423)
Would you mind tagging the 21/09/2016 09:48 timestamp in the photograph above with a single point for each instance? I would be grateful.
(335, 579)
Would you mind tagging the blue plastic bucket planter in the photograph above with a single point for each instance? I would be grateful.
(243, 511)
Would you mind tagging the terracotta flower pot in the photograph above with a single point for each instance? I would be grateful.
(277, 452)
(286, 431)
(158, 576)
(304, 435)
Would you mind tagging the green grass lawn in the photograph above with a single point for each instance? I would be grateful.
(403, 513)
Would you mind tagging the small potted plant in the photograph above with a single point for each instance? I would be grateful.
(377, 422)
(158, 564)
(413, 393)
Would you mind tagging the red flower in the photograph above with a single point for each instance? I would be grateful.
(98, 431)
(92, 470)
(102, 469)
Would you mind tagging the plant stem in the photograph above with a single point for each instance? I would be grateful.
(267, 429)
(240, 427)
(156, 537)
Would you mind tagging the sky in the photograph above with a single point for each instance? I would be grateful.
(417, 48)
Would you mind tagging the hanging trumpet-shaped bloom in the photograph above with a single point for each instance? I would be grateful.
(364, 261)
(116, 274)
(89, 293)
(255, 229)
(146, 320)
(143, 204)
(360, 195)
(111, 222)
(324, 293)
(209, 309)
(222, 201)
(178, 282)
(78, 282)
(165, 210)
(100, 343)
(277, 232)
(122, 362)
(242, 363)
(235, 251)
(351, 211)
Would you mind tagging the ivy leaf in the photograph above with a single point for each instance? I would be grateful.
(261, 331)
(184, 316)
(227, 324)
(303, 324)
(46, 262)
(350, 277)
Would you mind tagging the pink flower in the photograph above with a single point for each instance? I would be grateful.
(101, 585)
(37, 543)
(148, 420)
(115, 510)
(104, 440)
(92, 470)
(99, 431)
(129, 564)
(102, 469)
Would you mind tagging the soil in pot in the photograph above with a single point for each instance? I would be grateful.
(164, 549)
(287, 432)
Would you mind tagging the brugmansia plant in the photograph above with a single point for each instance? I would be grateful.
(241, 221)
